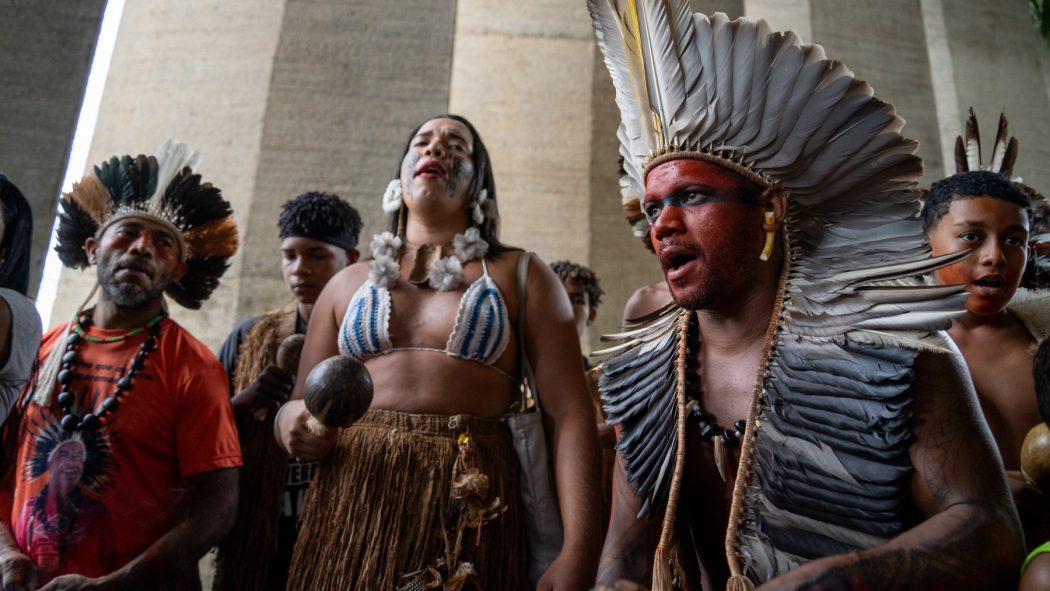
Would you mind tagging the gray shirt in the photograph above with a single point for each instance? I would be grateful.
(25, 339)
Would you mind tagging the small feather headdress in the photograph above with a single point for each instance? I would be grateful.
(968, 158)
(831, 409)
(164, 189)
(968, 149)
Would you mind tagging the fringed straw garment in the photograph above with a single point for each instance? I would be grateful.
(380, 499)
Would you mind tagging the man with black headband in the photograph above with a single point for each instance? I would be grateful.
(318, 238)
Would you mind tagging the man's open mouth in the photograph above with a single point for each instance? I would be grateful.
(673, 258)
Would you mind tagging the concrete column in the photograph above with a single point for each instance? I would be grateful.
(350, 81)
(999, 63)
(783, 15)
(47, 49)
(884, 44)
(280, 97)
(197, 71)
(732, 8)
(522, 75)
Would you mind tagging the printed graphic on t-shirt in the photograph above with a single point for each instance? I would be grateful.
(297, 480)
(89, 501)
(65, 528)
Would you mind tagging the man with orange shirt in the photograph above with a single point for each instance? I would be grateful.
(125, 470)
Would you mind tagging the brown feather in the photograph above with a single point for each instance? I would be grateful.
(1009, 158)
(960, 156)
(999, 147)
(93, 197)
(214, 239)
(973, 143)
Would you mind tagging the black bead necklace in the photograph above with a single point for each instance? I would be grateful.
(77, 335)
(707, 426)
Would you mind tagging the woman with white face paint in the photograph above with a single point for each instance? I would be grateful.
(427, 484)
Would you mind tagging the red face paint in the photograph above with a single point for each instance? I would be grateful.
(996, 231)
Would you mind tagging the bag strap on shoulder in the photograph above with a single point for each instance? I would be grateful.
(526, 367)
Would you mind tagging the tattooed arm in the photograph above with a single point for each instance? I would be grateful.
(630, 542)
(971, 538)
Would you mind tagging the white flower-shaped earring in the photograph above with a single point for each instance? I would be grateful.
(392, 196)
(479, 207)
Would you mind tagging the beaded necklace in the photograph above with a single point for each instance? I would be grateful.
(707, 426)
(78, 334)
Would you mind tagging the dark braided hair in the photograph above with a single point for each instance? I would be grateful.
(18, 233)
(320, 214)
(975, 183)
(580, 275)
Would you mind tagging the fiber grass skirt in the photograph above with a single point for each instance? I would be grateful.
(378, 504)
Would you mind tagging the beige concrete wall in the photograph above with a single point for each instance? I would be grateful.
(198, 71)
(350, 81)
(45, 55)
(522, 74)
(899, 71)
(284, 96)
(999, 63)
(281, 98)
(783, 15)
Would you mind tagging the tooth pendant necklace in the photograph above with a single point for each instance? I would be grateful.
(707, 427)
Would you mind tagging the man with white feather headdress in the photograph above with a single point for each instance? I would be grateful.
(795, 418)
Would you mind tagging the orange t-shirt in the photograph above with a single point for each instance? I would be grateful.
(88, 502)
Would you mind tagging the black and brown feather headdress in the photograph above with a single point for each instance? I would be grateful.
(164, 189)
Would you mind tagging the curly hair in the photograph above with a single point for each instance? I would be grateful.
(315, 214)
(582, 276)
(975, 183)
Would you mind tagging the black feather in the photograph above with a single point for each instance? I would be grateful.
(193, 203)
(109, 173)
(201, 278)
(74, 228)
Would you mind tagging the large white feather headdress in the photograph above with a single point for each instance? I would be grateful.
(757, 102)
(832, 405)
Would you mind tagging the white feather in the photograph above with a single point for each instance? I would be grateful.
(172, 157)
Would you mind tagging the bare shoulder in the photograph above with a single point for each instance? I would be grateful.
(506, 262)
(342, 286)
(953, 453)
(646, 299)
(504, 269)
(940, 370)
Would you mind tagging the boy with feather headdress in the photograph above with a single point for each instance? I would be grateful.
(992, 216)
